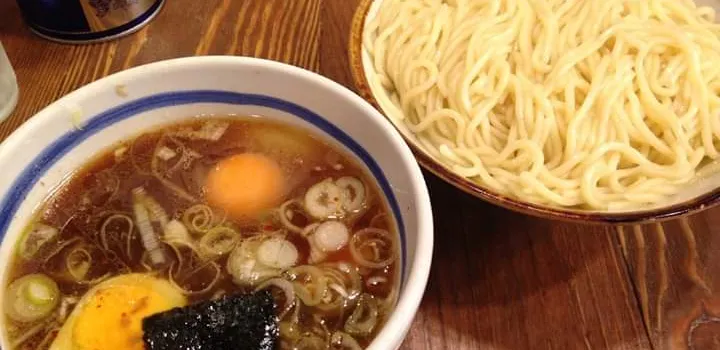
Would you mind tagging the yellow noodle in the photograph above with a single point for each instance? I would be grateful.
(599, 104)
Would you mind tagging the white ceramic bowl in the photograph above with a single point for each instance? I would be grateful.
(62, 137)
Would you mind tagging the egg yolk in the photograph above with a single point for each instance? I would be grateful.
(112, 318)
(245, 185)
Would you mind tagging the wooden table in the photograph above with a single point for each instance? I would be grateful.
(500, 280)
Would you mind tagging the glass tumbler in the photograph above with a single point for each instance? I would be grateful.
(8, 86)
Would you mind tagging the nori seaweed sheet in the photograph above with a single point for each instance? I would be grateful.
(242, 321)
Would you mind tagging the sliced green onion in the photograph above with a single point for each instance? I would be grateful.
(310, 286)
(373, 248)
(278, 253)
(156, 211)
(364, 318)
(78, 262)
(287, 212)
(331, 236)
(218, 241)
(324, 200)
(31, 298)
(354, 199)
(39, 294)
(148, 237)
(198, 218)
(35, 239)
(244, 265)
(344, 286)
(117, 226)
(175, 232)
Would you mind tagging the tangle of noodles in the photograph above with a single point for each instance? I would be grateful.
(595, 104)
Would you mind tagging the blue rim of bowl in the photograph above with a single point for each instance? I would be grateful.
(32, 173)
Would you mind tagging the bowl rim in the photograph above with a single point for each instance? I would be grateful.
(357, 69)
(394, 330)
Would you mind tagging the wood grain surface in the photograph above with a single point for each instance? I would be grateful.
(675, 267)
(499, 280)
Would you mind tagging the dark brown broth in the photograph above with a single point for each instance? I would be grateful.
(103, 187)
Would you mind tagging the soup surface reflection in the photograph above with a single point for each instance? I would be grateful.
(199, 210)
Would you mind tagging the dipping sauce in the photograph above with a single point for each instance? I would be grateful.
(198, 210)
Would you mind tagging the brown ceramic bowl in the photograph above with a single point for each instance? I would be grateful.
(697, 197)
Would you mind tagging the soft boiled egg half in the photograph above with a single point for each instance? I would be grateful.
(109, 316)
